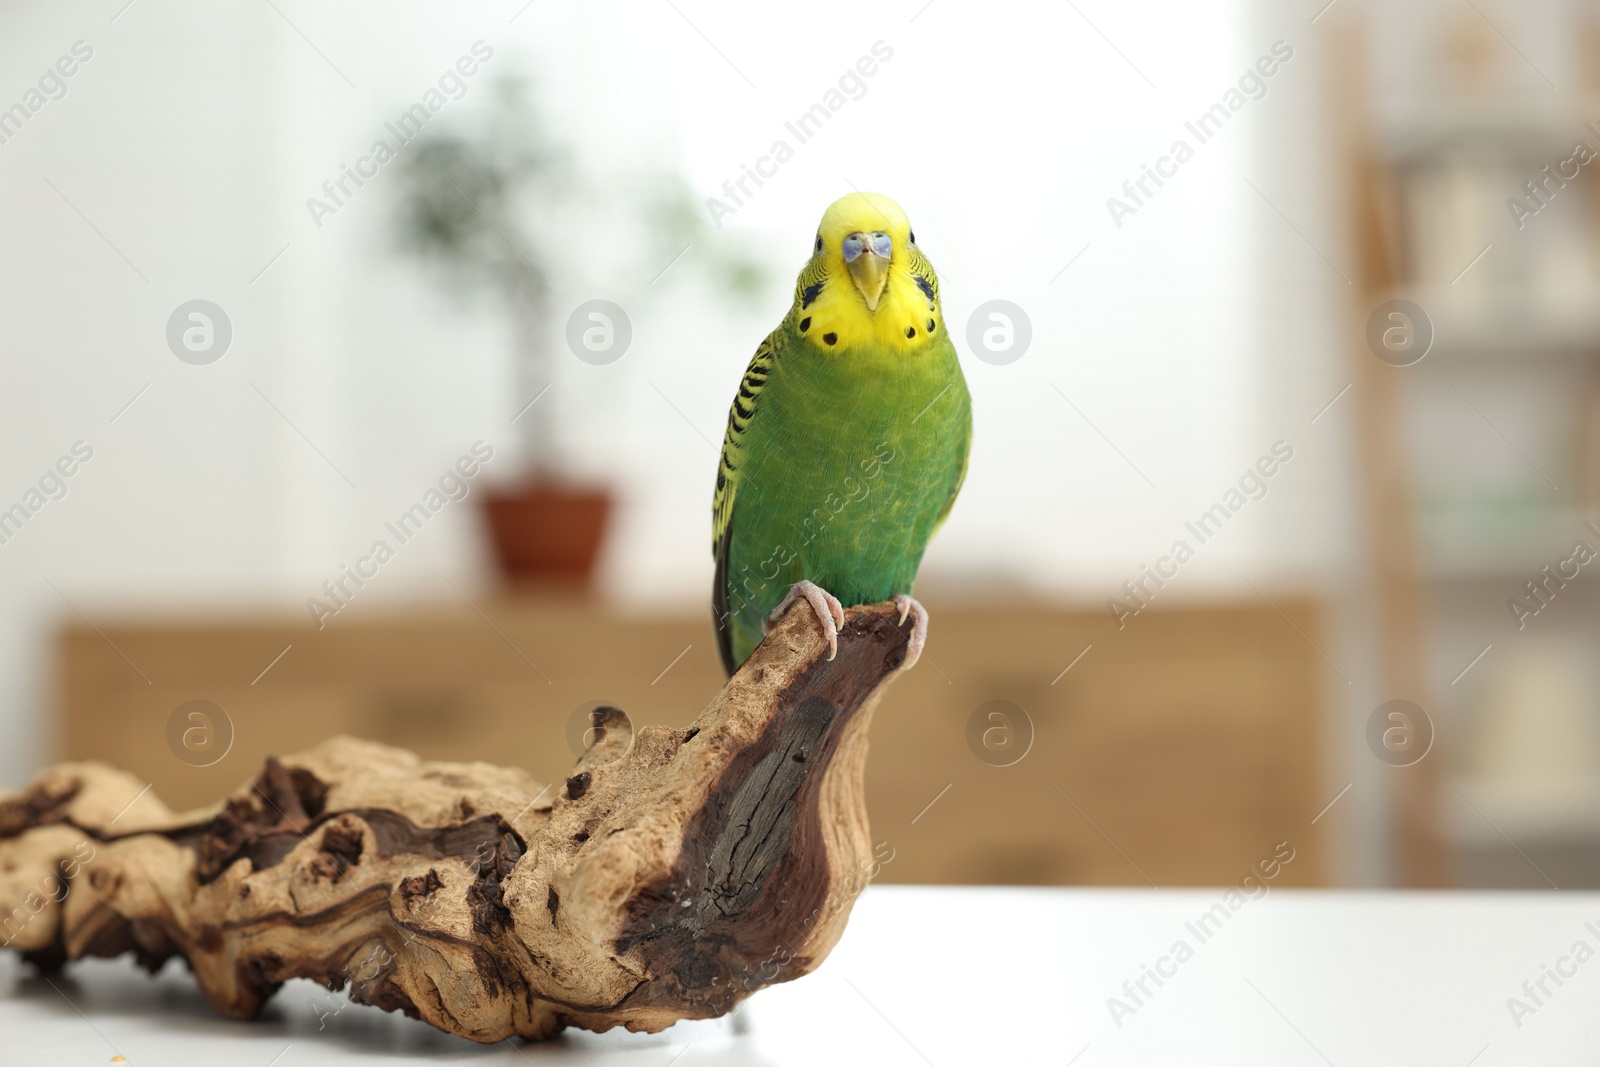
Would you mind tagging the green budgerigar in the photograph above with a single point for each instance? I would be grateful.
(848, 439)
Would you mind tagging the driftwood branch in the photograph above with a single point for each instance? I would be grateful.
(672, 875)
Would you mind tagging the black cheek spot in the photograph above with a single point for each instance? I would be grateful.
(805, 324)
(930, 325)
(911, 331)
(830, 338)
(810, 293)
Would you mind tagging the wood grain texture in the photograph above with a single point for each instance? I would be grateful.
(674, 872)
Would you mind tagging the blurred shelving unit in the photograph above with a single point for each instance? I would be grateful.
(1484, 458)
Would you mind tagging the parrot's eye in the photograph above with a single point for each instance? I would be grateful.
(913, 236)
(819, 242)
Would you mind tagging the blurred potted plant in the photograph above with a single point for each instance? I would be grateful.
(483, 207)
(461, 207)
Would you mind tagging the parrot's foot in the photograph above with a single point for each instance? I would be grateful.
(829, 612)
(919, 628)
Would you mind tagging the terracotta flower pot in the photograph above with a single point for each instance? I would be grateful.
(547, 531)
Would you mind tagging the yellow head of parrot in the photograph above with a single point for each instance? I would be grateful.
(863, 230)
(867, 282)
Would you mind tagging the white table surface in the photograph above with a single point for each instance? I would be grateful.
(950, 976)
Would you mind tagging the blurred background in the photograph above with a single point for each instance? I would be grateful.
(1306, 289)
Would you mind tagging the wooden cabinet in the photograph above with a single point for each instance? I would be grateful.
(1181, 749)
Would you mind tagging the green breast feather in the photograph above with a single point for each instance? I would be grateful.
(837, 466)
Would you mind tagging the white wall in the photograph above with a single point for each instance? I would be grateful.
(193, 137)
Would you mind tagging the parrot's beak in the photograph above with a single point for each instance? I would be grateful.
(867, 257)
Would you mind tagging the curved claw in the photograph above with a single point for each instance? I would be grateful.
(826, 607)
(919, 628)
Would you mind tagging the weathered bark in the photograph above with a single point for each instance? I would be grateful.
(672, 875)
